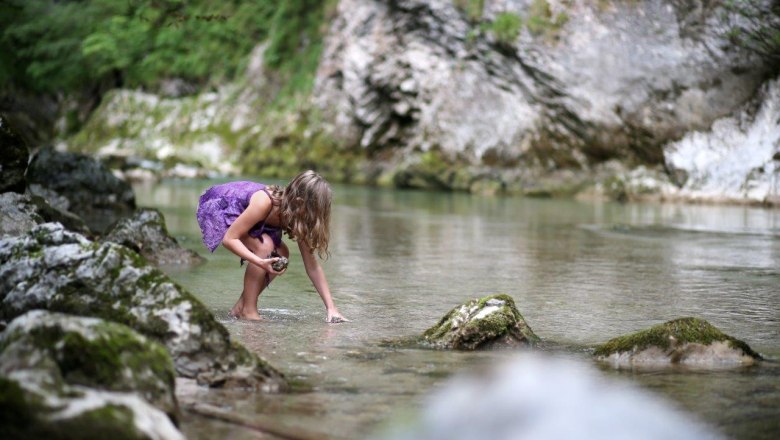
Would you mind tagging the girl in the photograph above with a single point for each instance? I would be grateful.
(249, 218)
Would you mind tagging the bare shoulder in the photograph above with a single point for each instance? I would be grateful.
(259, 205)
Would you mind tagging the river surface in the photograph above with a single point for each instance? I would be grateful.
(580, 273)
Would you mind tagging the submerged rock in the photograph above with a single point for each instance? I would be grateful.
(13, 161)
(20, 212)
(54, 269)
(492, 321)
(145, 233)
(82, 185)
(688, 341)
(63, 350)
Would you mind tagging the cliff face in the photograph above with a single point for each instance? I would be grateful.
(536, 97)
(594, 81)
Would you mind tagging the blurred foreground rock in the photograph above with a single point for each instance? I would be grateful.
(54, 269)
(688, 341)
(82, 185)
(539, 397)
(64, 377)
(145, 233)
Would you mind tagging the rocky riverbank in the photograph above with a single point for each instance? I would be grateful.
(93, 334)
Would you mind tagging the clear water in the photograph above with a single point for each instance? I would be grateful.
(580, 272)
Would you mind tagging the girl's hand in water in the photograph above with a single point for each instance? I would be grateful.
(334, 317)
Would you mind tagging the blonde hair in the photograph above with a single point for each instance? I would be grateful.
(304, 207)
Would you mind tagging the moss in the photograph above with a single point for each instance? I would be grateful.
(18, 408)
(690, 330)
(110, 421)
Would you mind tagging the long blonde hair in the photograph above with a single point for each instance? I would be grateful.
(304, 210)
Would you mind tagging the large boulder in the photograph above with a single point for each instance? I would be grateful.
(54, 269)
(491, 321)
(64, 377)
(145, 233)
(13, 160)
(82, 185)
(687, 341)
(90, 352)
(20, 212)
(535, 86)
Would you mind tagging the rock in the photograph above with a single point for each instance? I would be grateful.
(532, 396)
(20, 212)
(145, 233)
(88, 188)
(31, 407)
(491, 321)
(17, 214)
(737, 159)
(687, 341)
(591, 87)
(90, 352)
(54, 269)
(13, 160)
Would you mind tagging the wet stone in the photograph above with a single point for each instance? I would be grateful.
(684, 341)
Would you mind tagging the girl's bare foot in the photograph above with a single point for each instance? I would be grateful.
(238, 312)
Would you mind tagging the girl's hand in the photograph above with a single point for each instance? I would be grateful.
(334, 317)
(267, 265)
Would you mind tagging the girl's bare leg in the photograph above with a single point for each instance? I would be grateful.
(254, 278)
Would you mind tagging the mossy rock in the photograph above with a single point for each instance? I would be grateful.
(689, 341)
(489, 322)
(57, 270)
(30, 412)
(90, 352)
(145, 232)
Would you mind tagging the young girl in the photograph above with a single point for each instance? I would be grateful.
(249, 218)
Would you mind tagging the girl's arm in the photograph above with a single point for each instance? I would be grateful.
(258, 209)
(317, 277)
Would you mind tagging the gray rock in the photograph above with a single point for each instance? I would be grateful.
(13, 160)
(17, 214)
(614, 80)
(20, 212)
(88, 188)
(687, 341)
(491, 321)
(737, 159)
(54, 269)
(145, 233)
(90, 352)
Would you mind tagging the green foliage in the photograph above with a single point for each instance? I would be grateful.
(506, 28)
(755, 26)
(472, 8)
(541, 21)
(48, 45)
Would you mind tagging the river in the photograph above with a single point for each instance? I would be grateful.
(580, 273)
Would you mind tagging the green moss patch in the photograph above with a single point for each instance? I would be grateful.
(682, 330)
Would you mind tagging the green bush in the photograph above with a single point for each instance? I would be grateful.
(506, 28)
(69, 45)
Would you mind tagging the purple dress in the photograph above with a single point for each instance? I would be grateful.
(220, 205)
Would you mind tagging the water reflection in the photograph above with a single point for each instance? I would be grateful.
(580, 273)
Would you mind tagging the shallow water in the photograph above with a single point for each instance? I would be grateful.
(580, 273)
